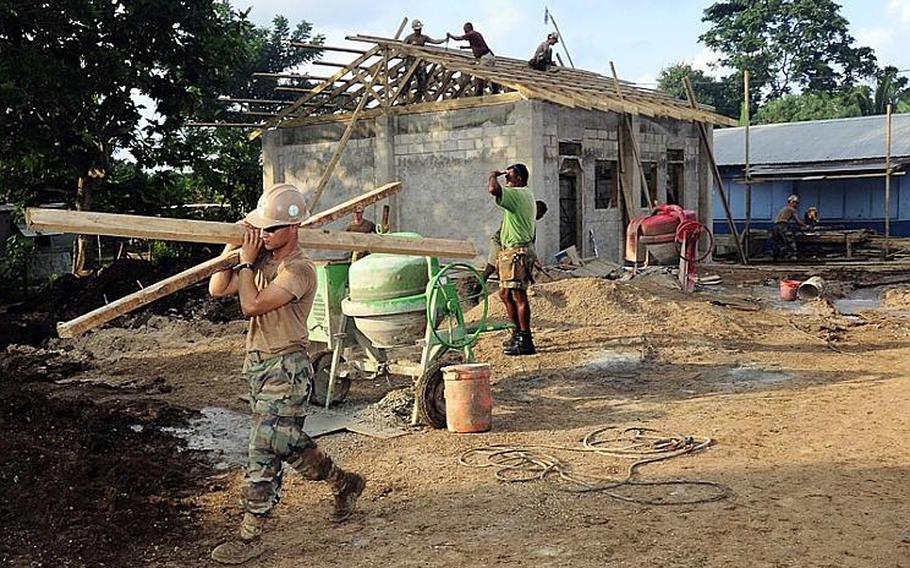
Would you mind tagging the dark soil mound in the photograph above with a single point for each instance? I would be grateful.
(88, 485)
(33, 322)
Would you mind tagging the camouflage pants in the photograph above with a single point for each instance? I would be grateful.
(279, 389)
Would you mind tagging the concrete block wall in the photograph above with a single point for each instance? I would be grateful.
(300, 156)
(443, 160)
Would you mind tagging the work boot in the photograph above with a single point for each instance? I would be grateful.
(513, 337)
(523, 346)
(347, 489)
(246, 547)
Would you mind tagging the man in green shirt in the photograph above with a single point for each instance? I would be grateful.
(515, 262)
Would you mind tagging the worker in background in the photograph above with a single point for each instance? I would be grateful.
(496, 246)
(543, 56)
(483, 55)
(782, 233)
(360, 225)
(418, 38)
(276, 283)
(515, 261)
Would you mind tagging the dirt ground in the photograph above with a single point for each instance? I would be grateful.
(807, 408)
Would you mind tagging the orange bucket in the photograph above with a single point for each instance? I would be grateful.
(789, 289)
(469, 401)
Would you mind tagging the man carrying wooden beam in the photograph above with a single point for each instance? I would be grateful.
(420, 39)
(277, 285)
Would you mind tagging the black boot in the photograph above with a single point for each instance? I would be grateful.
(523, 346)
(513, 337)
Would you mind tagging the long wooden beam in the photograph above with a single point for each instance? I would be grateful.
(169, 229)
(202, 271)
(326, 47)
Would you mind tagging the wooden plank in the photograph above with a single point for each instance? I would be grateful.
(417, 108)
(326, 47)
(636, 154)
(202, 271)
(145, 296)
(169, 229)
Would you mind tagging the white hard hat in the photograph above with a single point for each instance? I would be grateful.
(283, 204)
(417, 24)
(792, 198)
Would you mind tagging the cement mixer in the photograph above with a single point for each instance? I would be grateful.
(370, 315)
(670, 234)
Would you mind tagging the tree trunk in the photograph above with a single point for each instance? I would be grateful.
(82, 249)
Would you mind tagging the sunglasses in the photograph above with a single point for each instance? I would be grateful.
(273, 230)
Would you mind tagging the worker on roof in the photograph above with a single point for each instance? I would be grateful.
(276, 284)
(483, 55)
(420, 39)
(360, 225)
(782, 232)
(516, 261)
(543, 56)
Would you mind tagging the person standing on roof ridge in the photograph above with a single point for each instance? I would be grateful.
(483, 55)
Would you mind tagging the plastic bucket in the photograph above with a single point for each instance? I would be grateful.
(788, 290)
(811, 288)
(469, 401)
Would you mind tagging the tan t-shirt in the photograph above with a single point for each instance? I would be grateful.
(284, 330)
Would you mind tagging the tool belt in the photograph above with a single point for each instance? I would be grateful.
(514, 264)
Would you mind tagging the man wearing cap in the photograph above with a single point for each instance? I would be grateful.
(781, 232)
(543, 57)
(418, 38)
(360, 225)
(277, 284)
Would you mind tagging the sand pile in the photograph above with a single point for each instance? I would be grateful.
(651, 304)
(897, 298)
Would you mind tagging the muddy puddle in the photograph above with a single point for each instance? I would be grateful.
(221, 433)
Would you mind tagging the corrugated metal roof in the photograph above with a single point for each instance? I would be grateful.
(813, 141)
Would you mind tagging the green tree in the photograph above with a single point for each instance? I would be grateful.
(787, 44)
(806, 106)
(70, 71)
(724, 94)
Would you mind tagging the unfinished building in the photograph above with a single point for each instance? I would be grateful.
(599, 150)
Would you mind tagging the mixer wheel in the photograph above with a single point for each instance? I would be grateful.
(322, 365)
(429, 391)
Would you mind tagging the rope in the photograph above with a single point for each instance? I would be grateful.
(517, 464)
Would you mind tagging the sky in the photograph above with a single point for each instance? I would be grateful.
(641, 37)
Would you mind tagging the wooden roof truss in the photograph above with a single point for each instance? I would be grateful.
(393, 74)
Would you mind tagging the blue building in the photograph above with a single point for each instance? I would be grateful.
(837, 166)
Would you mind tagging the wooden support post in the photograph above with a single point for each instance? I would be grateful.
(703, 132)
(887, 182)
(746, 239)
(386, 211)
(627, 122)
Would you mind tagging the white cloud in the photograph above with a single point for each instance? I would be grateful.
(706, 61)
(900, 9)
(878, 38)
